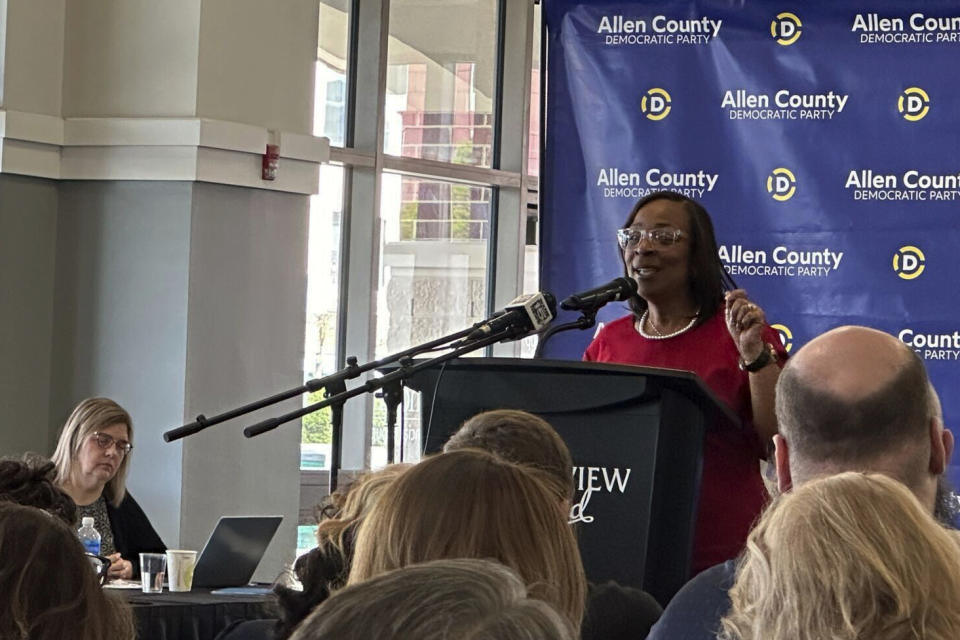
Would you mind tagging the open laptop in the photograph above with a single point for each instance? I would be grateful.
(234, 550)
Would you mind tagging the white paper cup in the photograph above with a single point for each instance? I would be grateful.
(180, 564)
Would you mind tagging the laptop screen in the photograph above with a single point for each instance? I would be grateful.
(234, 550)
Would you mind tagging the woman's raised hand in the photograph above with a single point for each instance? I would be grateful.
(745, 322)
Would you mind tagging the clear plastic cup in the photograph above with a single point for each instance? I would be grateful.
(152, 569)
(180, 564)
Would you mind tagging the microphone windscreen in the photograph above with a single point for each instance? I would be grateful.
(628, 288)
(551, 301)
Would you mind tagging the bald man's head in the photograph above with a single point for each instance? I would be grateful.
(855, 398)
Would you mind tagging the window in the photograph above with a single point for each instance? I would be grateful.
(439, 105)
(320, 355)
(433, 260)
(323, 282)
(531, 249)
(330, 108)
(424, 196)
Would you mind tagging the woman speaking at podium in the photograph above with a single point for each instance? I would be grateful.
(688, 315)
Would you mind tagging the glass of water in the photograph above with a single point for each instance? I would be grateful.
(153, 566)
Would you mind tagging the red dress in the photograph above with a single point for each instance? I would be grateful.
(732, 493)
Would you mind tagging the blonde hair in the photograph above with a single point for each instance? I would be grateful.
(472, 504)
(352, 504)
(50, 591)
(466, 599)
(92, 414)
(847, 557)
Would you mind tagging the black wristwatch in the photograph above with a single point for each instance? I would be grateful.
(767, 356)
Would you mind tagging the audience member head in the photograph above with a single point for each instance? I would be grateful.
(324, 568)
(847, 557)
(49, 589)
(30, 482)
(472, 504)
(320, 571)
(347, 507)
(857, 399)
(88, 450)
(519, 437)
(466, 599)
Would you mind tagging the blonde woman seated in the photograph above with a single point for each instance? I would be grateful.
(847, 557)
(92, 458)
(471, 504)
(464, 599)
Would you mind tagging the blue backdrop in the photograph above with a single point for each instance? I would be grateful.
(823, 140)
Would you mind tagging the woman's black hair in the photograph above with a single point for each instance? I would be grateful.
(31, 482)
(321, 571)
(708, 278)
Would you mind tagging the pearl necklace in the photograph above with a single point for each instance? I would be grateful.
(660, 336)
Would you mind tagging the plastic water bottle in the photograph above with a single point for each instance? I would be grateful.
(89, 537)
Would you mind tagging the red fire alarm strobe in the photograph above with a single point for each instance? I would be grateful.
(271, 162)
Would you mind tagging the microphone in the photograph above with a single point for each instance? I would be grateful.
(619, 289)
(526, 313)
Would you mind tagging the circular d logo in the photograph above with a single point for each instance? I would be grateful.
(908, 262)
(786, 28)
(655, 104)
(786, 336)
(781, 184)
(913, 104)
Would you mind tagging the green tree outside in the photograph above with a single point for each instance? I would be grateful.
(317, 427)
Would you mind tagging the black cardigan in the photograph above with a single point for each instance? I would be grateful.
(132, 532)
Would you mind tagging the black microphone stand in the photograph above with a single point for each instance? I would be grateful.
(392, 395)
(587, 319)
(373, 384)
(334, 386)
(387, 381)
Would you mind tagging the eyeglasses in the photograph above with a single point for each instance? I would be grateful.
(100, 565)
(661, 236)
(105, 441)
